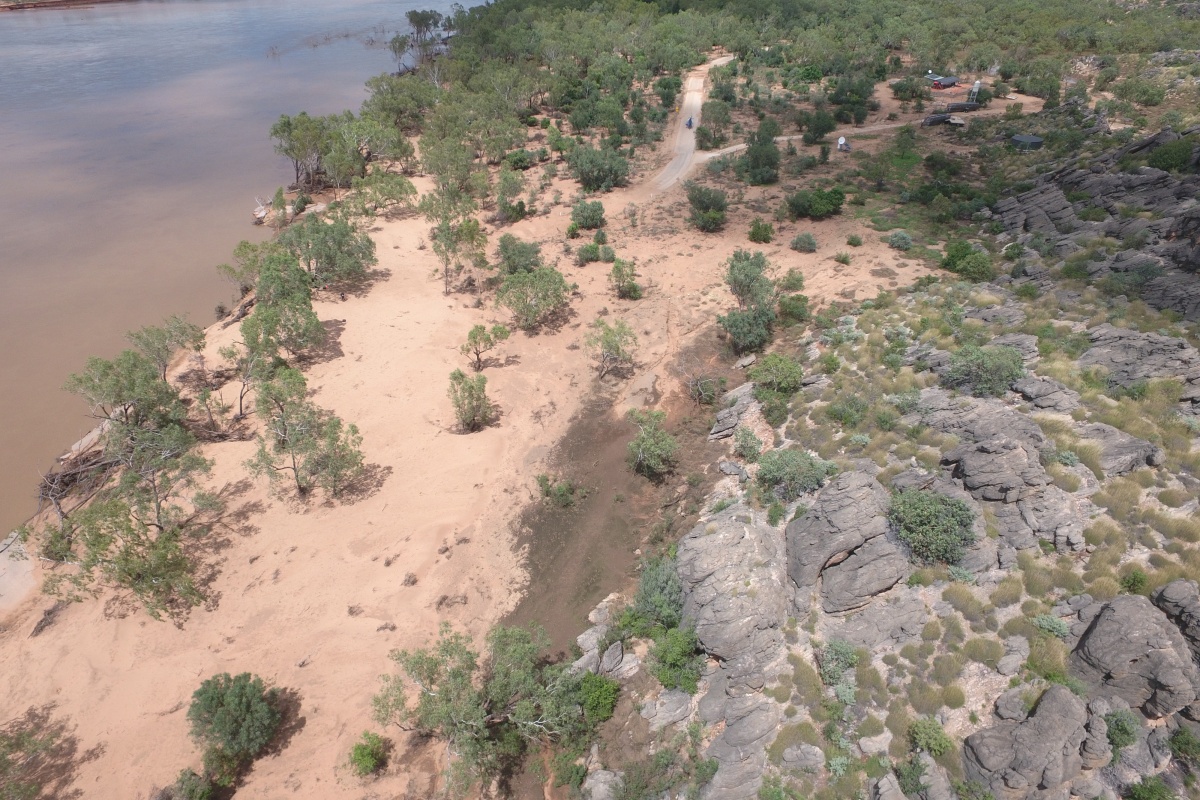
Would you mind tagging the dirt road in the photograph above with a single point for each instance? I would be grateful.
(685, 139)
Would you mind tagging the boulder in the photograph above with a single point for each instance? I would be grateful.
(1051, 514)
(1132, 651)
(1180, 601)
(602, 784)
(751, 722)
(975, 419)
(668, 708)
(736, 594)
(1096, 751)
(612, 657)
(1014, 759)
(998, 469)
(887, 788)
(1120, 453)
(1009, 314)
(875, 745)
(734, 404)
(896, 619)
(1047, 395)
(843, 541)
(803, 757)
(1010, 705)
(1024, 343)
(1131, 357)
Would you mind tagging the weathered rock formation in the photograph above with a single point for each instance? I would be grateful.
(1047, 395)
(1131, 357)
(1120, 453)
(843, 542)
(975, 419)
(1132, 651)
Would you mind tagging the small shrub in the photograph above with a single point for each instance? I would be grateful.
(775, 513)
(925, 734)
(778, 372)
(1151, 788)
(188, 786)
(749, 329)
(1007, 593)
(761, 232)
(842, 258)
(234, 718)
(984, 371)
(708, 208)
(834, 659)
(792, 281)
(599, 696)
(653, 451)
(848, 411)
(746, 444)
(910, 774)
(587, 254)
(675, 661)
(984, 651)
(815, 203)
(468, 395)
(1185, 746)
(936, 528)
(623, 277)
(793, 309)
(900, 240)
(804, 243)
(1122, 729)
(790, 473)
(1134, 582)
(1052, 625)
(854, 240)
(368, 755)
(1173, 157)
(659, 598)
(588, 215)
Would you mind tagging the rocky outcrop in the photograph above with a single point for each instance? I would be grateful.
(1180, 601)
(896, 619)
(843, 542)
(999, 469)
(1021, 759)
(1009, 315)
(1132, 651)
(1120, 453)
(1024, 343)
(734, 404)
(735, 593)
(1047, 395)
(1051, 514)
(975, 419)
(1131, 357)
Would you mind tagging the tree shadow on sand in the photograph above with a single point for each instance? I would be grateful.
(40, 756)
(327, 350)
(369, 481)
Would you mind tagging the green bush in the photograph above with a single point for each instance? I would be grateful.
(804, 243)
(588, 215)
(834, 658)
(936, 528)
(1048, 623)
(533, 297)
(910, 774)
(188, 786)
(468, 395)
(623, 278)
(1185, 746)
(653, 451)
(587, 253)
(369, 755)
(708, 207)
(793, 309)
(748, 330)
(599, 696)
(1173, 157)
(815, 203)
(984, 371)
(1134, 582)
(746, 444)
(234, 719)
(976, 267)
(675, 660)
(1140, 91)
(792, 281)
(925, 734)
(761, 232)
(598, 170)
(1151, 788)
(778, 372)
(790, 473)
(518, 256)
(1122, 729)
(854, 240)
(745, 274)
(659, 598)
(848, 410)
(900, 240)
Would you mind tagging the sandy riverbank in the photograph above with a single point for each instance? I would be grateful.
(312, 597)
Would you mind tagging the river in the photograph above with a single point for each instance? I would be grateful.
(133, 142)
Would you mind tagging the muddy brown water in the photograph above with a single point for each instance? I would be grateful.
(133, 142)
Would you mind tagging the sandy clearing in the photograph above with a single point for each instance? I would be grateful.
(307, 593)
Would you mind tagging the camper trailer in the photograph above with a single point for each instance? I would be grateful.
(944, 82)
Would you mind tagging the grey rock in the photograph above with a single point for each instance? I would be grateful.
(1131, 650)
(875, 745)
(628, 667)
(1010, 664)
(975, 419)
(1096, 751)
(843, 540)
(1180, 601)
(668, 708)
(732, 468)
(746, 361)
(998, 469)
(1009, 314)
(711, 708)
(612, 657)
(1014, 759)
(1131, 357)
(896, 619)
(937, 783)
(736, 594)
(588, 662)
(1023, 343)
(887, 788)
(1010, 705)
(803, 757)
(1047, 395)
(590, 638)
(751, 721)
(735, 403)
(1120, 453)
(602, 784)
(1050, 514)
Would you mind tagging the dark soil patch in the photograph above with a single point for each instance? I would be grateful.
(579, 554)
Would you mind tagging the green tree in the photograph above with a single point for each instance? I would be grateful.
(160, 342)
(331, 249)
(233, 719)
(612, 346)
(515, 255)
(302, 140)
(745, 274)
(509, 185)
(369, 754)
(708, 207)
(490, 708)
(480, 340)
(468, 395)
(815, 203)
(283, 316)
(314, 446)
(936, 528)
(598, 170)
(588, 215)
(399, 100)
(533, 297)
(623, 278)
(984, 371)
(778, 372)
(653, 452)
(381, 192)
(128, 390)
(457, 237)
(248, 258)
(791, 473)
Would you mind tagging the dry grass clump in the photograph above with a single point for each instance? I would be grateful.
(952, 632)
(964, 601)
(1047, 655)
(1174, 498)
(1064, 478)
(790, 736)
(946, 668)
(1120, 497)
(871, 726)
(871, 685)
(953, 697)
(1104, 588)
(898, 720)
(925, 698)
(1183, 529)
(932, 631)
(1008, 592)
(1065, 577)
(805, 680)
(984, 651)
(1106, 534)
(1037, 577)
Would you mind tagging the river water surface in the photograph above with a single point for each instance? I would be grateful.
(133, 141)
